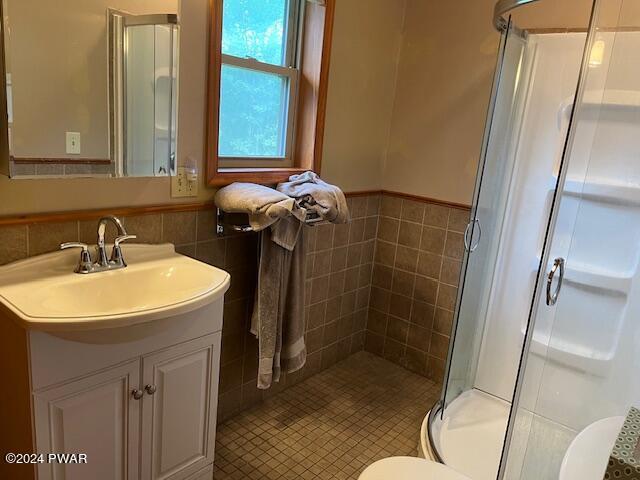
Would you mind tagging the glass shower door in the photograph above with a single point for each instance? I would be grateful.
(150, 90)
(490, 200)
(579, 376)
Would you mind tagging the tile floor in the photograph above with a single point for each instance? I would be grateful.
(331, 426)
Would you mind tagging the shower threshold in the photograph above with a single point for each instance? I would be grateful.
(470, 437)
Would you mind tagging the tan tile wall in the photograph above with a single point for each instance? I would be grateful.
(60, 170)
(339, 268)
(417, 265)
(387, 281)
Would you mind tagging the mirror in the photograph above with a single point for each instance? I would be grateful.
(91, 87)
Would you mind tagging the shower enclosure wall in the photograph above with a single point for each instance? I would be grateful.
(542, 368)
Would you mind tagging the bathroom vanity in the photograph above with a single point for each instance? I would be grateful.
(121, 366)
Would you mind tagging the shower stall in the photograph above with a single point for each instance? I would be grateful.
(143, 91)
(545, 359)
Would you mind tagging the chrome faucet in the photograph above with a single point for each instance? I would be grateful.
(116, 261)
(102, 228)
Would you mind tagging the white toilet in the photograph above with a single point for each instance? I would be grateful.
(409, 468)
(588, 454)
(586, 458)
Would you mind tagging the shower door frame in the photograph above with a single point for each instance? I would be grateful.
(474, 224)
(548, 236)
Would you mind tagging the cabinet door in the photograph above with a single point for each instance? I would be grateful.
(178, 427)
(204, 474)
(96, 416)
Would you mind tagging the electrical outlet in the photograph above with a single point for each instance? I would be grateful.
(178, 184)
(73, 143)
(191, 176)
(184, 183)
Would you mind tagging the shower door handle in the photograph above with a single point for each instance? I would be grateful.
(467, 241)
(552, 297)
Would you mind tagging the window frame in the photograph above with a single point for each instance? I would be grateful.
(306, 112)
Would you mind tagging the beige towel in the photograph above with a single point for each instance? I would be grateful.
(264, 205)
(315, 195)
(278, 313)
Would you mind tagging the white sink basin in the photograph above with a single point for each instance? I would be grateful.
(43, 293)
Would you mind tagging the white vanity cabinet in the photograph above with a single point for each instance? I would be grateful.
(120, 366)
(177, 427)
(95, 416)
(149, 417)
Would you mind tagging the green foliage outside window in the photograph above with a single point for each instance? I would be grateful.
(253, 103)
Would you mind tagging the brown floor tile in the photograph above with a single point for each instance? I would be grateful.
(331, 425)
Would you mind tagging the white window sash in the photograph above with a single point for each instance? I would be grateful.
(293, 27)
(292, 74)
(253, 64)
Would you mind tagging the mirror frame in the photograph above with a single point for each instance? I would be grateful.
(5, 155)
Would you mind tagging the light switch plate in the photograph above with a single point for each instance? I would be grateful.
(73, 143)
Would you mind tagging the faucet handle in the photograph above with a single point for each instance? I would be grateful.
(67, 245)
(85, 265)
(123, 238)
(116, 253)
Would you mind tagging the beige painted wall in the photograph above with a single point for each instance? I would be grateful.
(447, 63)
(444, 78)
(58, 60)
(366, 46)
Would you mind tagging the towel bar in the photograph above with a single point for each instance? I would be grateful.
(222, 223)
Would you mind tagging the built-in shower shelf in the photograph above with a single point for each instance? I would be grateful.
(605, 281)
(578, 356)
(586, 285)
(601, 99)
(603, 191)
(598, 279)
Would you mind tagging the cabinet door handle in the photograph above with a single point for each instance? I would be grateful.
(137, 394)
(150, 389)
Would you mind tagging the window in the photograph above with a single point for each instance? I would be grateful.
(267, 88)
(259, 78)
